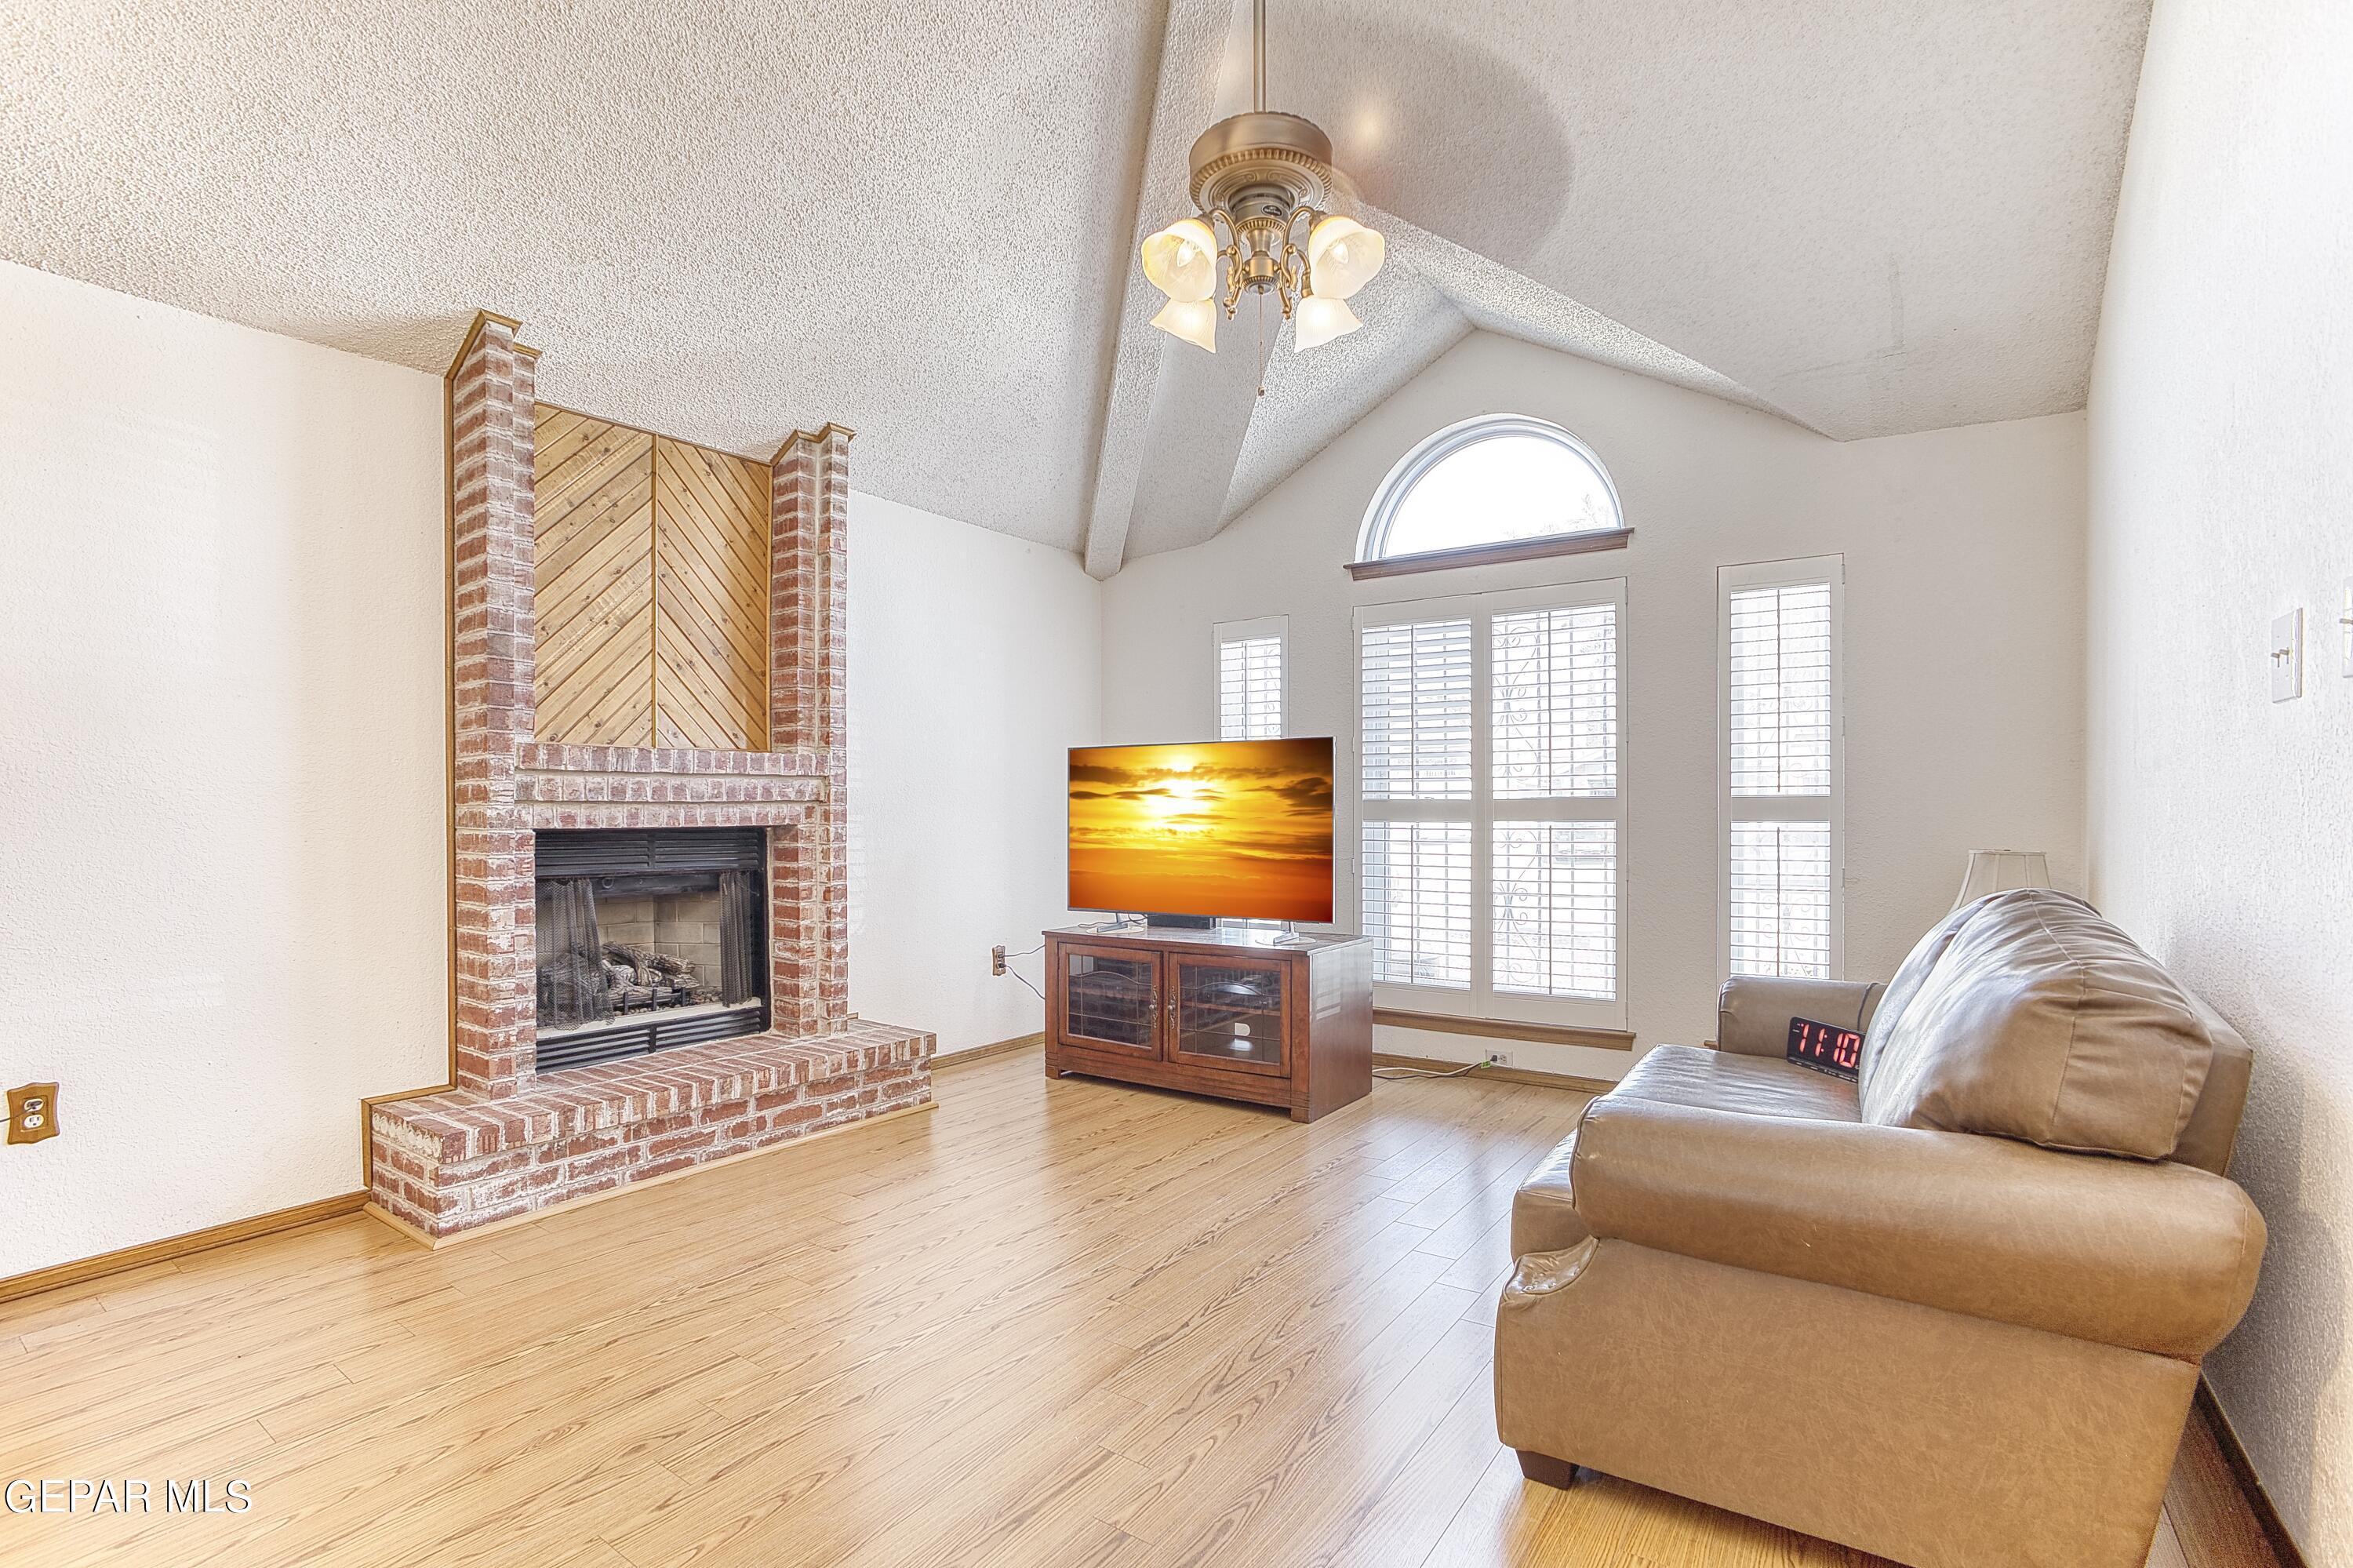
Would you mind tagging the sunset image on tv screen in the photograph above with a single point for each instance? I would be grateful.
(1236, 828)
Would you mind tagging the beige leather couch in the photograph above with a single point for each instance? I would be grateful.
(1951, 1314)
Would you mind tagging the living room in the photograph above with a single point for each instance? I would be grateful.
(1208, 783)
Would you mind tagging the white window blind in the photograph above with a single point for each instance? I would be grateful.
(1781, 680)
(1249, 688)
(1418, 902)
(1416, 711)
(1250, 656)
(1488, 739)
(1782, 908)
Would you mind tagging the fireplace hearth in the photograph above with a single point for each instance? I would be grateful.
(649, 894)
(647, 939)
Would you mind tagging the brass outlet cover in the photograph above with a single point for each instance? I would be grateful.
(32, 1113)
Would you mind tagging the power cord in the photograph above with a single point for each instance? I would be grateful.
(1017, 974)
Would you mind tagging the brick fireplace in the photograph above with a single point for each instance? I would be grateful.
(506, 1139)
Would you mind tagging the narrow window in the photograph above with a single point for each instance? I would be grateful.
(1250, 678)
(1783, 752)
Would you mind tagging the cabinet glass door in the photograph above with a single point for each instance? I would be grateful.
(1228, 1013)
(1108, 998)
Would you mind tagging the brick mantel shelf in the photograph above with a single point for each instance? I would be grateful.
(504, 1140)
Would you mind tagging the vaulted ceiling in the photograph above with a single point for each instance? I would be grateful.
(921, 219)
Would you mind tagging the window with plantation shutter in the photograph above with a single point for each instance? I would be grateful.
(1250, 675)
(1782, 746)
(1493, 877)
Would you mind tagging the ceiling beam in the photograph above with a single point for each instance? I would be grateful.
(1185, 99)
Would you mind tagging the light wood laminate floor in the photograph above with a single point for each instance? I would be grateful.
(1046, 1324)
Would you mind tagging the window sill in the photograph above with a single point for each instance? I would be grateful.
(1506, 1029)
(1492, 555)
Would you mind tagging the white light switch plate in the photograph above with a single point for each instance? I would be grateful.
(2287, 656)
(2345, 629)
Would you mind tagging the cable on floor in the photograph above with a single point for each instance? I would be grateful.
(1425, 1072)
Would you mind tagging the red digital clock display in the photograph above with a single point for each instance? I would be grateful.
(1825, 1047)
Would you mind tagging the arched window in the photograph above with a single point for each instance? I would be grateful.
(1501, 487)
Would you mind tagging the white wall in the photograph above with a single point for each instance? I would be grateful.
(1964, 643)
(224, 904)
(2221, 495)
(973, 668)
(223, 863)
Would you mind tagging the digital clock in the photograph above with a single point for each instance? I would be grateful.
(1825, 1047)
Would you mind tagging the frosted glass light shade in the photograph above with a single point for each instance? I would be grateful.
(2000, 871)
(1319, 320)
(1342, 256)
(1181, 261)
(1195, 320)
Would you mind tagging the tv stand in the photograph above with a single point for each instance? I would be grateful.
(1274, 1019)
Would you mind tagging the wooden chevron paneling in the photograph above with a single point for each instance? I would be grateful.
(652, 600)
(592, 490)
(710, 599)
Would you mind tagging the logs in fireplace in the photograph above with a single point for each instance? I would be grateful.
(648, 939)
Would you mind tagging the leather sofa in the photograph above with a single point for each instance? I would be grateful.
(1952, 1313)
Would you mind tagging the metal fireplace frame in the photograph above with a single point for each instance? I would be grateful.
(655, 861)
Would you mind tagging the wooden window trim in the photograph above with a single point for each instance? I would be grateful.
(1503, 1029)
(1492, 555)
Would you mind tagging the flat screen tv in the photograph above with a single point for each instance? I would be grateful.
(1240, 829)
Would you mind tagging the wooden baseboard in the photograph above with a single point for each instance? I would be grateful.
(60, 1275)
(402, 1227)
(1504, 1028)
(1498, 1075)
(2251, 1484)
(982, 1053)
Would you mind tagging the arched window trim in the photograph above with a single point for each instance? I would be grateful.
(1415, 465)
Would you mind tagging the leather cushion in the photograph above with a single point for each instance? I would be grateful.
(1752, 1086)
(1544, 1209)
(2027, 1015)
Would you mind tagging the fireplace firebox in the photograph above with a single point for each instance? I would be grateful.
(648, 939)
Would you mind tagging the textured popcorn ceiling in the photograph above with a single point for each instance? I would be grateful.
(919, 221)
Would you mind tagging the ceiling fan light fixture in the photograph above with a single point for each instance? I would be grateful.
(1195, 320)
(1181, 261)
(1343, 255)
(1319, 319)
(1262, 185)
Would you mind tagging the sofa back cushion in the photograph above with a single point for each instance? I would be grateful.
(2027, 1015)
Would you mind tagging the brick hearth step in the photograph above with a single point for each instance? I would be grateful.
(449, 1162)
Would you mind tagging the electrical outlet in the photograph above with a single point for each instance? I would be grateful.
(32, 1113)
(997, 960)
(1499, 1058)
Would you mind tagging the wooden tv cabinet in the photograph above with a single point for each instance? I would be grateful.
(1231, 1012)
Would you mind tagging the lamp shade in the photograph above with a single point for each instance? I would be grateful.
(1319, 320)
(1999, 871)
(1195, 320)
(1342, 256)
(1181, 261)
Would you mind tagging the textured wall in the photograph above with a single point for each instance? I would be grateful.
(223, 863)
(973, 666)
(2220, 480)
(1964, 561)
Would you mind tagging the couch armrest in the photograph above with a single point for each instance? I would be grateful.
(2152, 1257)
(1753, 1012)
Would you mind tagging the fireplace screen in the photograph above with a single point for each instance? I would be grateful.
(648, 939)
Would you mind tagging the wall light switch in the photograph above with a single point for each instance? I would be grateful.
(2345, 629)
(2287, 656)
